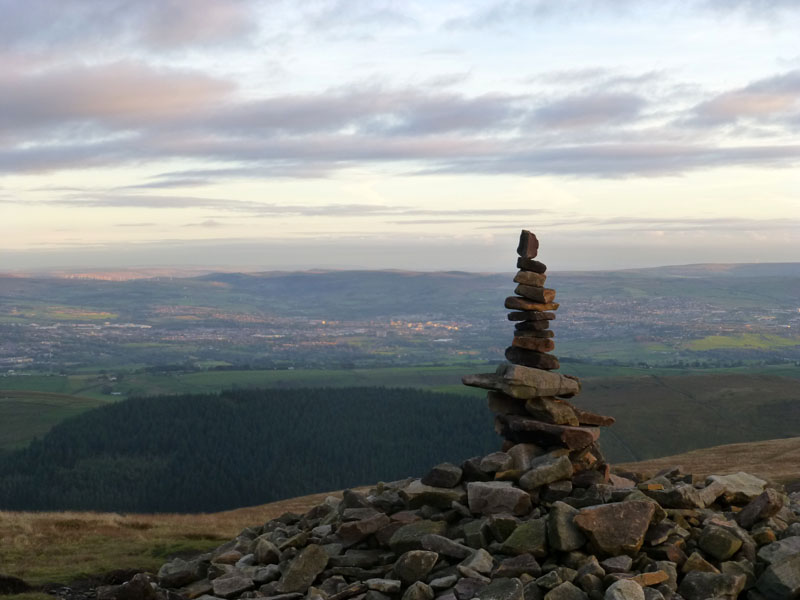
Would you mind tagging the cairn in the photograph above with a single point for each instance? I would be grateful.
(541, 520)
(528, 399)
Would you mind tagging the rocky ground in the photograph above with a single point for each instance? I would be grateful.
(459, 533)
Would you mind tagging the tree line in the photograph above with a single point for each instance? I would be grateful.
(200, 453)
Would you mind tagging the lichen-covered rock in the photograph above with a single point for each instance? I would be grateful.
(303, 570)
(616, 528)
(624, 589)
(494, 497)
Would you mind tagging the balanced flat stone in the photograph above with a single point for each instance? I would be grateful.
(531, 315)
(536, 332)
(589, 418)
(531, 358)
(574, 438)
(530, 278)
(502, 404)
(519, 303)
(535, 293)
(529, 264)
(524, 382)
(534, 343)
(551, 410)
(528, 244)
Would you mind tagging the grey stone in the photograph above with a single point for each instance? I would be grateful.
(546, 469)
(624, 589)
(303, 569)
(501, 525)
(652, 594)
(777, 551)
(467, 588)
(529, 538)
(740, 487)
(414, 565)
(386, 586)
(781, 580)
(445, 475)
(699, 585)
(566, 591)
(418, 494)
(502, 589)
(493, 497)
(617, 564)
(551, 579)
(522, 455)
(266, 552)
(524, 564)
(616, 528)
(763, 506)
(446, 547)
(719, 542)
(496, 461)
(231, 585)
(562, 533)
(178, 572)
(266, 574)
(476, 533)
(418, 591)
(480, 561)
(409, 537)
(443, 583)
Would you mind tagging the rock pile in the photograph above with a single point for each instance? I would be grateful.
(530, 401)
(543, 519)
(459, 533)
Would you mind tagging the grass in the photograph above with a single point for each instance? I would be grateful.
(25, 415)
(772, 460)
(62, 547)
(750, 341)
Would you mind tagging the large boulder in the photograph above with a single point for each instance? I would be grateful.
(616, 528)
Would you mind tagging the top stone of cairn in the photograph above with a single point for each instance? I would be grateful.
(528, 245)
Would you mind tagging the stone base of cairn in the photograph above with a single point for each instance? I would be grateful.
(530, 402)
(541, 520)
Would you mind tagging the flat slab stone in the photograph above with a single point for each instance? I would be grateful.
(739, 487)
(520, 303)
(531, 358)
(303, 570)
(531, 315)
(524, 382)
(530, 278)
(496, 497)
(418, 494)
(616, 528)
(574, 438)
(529, 264)
(534, 343)
(535, 293)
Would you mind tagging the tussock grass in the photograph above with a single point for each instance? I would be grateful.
(773, 460)
(60, 547)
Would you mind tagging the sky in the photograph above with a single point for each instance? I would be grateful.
(407, 134)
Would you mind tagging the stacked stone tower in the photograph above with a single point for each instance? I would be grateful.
(529, 399)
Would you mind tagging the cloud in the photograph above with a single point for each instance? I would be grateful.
(590, 110)
(112, 97)
(44, 25)
(763, 100)
(130, 113)
(208, 224)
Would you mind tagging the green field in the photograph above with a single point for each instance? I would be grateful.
(25, 415)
